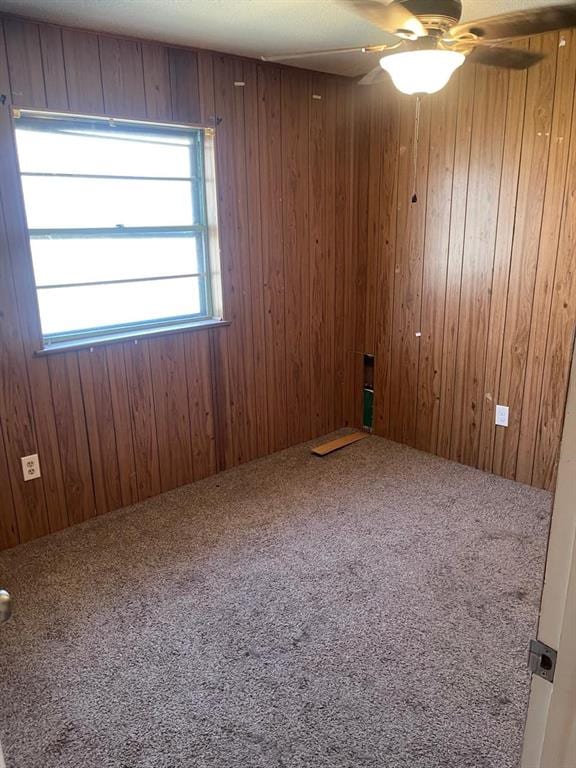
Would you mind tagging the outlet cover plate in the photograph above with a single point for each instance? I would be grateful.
(502, 413)
(30, 466)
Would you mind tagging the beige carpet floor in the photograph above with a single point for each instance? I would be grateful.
(372, 608)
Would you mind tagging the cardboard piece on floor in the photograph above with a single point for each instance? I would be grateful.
(339, 442)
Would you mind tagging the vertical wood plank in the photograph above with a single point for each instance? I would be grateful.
(68, 407)
(348, 253)
(184, 85)
(375, 160)
(555, 384)
(83, 76)
(199, 375)
(157, 82)
(411, 224)
(273, 251)
(387, 258)
(222, 403)
(169, 383)
(143, 418)
(120, 403)
(48, 444)
(329, 422)
(122, 77)
(53, 66)
(437, 228)
(317, 247)
(295, 159)
(25, 63)
(255, 205)
(206, 87)
(99, 413)
(364, 107)
(459, 201)
(9, 535)
(270, 167)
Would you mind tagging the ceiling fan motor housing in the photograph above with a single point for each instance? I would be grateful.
(435, 14)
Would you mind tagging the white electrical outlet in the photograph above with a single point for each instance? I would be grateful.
(30, 466)
(502, 412)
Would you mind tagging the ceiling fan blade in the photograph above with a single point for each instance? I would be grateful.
(509, 58)
(376, 75)
(520, 23)
(306, 54)
(390, 17)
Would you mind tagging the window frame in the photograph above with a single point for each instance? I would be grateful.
(205, 233)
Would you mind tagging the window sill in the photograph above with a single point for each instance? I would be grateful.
(116, 338)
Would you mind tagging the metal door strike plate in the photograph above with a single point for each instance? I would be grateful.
(542, 660)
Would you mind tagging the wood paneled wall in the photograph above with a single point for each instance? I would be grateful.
(470, 292)
(117, 424)
(466, 297)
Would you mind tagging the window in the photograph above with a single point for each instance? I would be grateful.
(118, 226)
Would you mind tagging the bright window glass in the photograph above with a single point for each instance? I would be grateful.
(96, 259)
(117, 222)
(55, 202)
(117, 304)
(104, 153)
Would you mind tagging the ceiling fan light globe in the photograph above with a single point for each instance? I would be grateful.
(422, 71)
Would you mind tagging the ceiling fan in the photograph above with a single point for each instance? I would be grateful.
(431, 43)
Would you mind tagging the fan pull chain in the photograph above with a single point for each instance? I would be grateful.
(416, 142)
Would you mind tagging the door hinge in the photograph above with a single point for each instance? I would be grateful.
(542, 660)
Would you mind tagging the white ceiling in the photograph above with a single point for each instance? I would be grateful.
(248, 27)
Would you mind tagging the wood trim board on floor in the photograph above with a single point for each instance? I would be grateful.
(339, 442)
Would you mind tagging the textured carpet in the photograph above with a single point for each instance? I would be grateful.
(370, 608)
